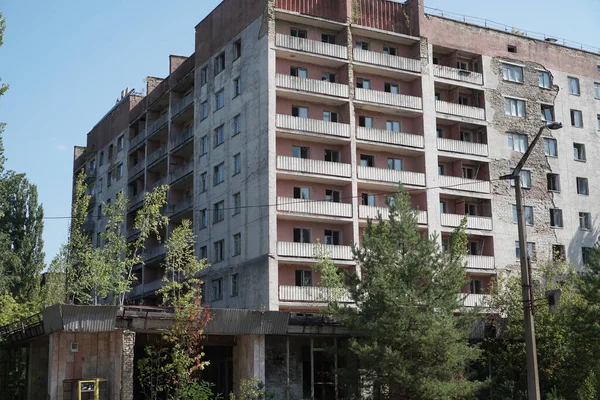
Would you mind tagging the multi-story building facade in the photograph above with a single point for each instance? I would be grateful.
(294, 121)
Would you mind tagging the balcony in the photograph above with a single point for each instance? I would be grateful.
(327, 208)
(311, 46)
(154, 252)
(475, 300)
(181, 171)
(373, 212)
(132, 232)
(182, 104)
(157, 155)
(468, 185)
(137, 139)
(307, 250)
(90, 174)
(313, 126)
(455, 74)
(473, 222)
(136, 169)
(160, 182)
(182, 138)
(159, 123)
(391, 176)
(136, 200)
(459, 110)
(311, 294)
(388, 137)
(145, 288)
(308, 166)
(312, 86)
(487, 263)
(88, 225)
(181, 206)
(458, 146)
(386, 60)
(388, 99)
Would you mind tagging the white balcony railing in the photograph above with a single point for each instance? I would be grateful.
(313, 126)
(473, 222)
(311, 294)
(137, 139)
(389, 99)
(458, 146)
(181, 171)
(468, 185)
(159, 123)
(373, 212)
(329, 208)
(391, 176)
(157, 155)
(386, 60)
(311, 46)
(183, 103)
(318, 167)
(383, 136)
(475, 300)
(312, 85)
(481, 262)
(456, 74)
(307, 250)
(183, 137)
(459, 110)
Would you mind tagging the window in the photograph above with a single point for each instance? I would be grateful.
(550, 147)
(441, 169)
(301, 112)
(219, 174)
(558, 252)
(525, 178)
(471, 209)
(219, 63)
(237, 164)
(237, 124)
(391, 88)
(393, 126)
(530, 250)
(598, 117)
(301, 235)
(475, 287)
(237, 49)
(367, 199)
(237, 87)
(586, 253)
(547, 113)
(302, 193)
(218, 246)
(436, 60)
(462, 65)
(466, 136)
(327, 38)
(120, 143)
(332, 156)
(237, 203)
(512, 73)
(101, 156)
(237, 244)
(219, 211)
(110, 152)
(99, 212)
(204, 110)
(579, 151)
(333, 237)
(573, 85)
(553, 182)
(234, 285)
(219, 137)
(363, 83)
(514, 107)
(585, 221)
(391, 51)
(511, 48)
(517, 142)
(556, 219)
(204, 76)
(203, 219)
(303, 277)
(204, 145)
(367, 160)
(362, 45)
(299, 33)
(203, 253)
(437, 96)
(330, 116)
(468, 172)
(300, 152)
(365, 122)
(109, 178)
(443, 207)
(582, 186)
(576, 118)
(544, 80)
(329, 77)
(299, 72)
(333, 196)
(528, 210)
(439, 132)
(395, 164)
(473, 248)
(597, 90)
(119, 171)
(217, 289)
(220, 99)
(464, 100)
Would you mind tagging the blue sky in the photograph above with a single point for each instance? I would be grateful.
(67, 61)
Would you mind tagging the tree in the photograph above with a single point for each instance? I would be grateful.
(406, 339)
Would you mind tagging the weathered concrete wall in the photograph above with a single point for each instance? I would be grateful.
(276, 370)
(37, 372)
(248, 358)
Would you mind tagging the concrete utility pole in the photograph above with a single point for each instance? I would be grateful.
(533, 382)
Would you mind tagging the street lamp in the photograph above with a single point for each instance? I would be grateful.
(533, 384)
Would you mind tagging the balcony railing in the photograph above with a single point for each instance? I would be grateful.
(307, 250)
(181, 171)
(144, 288)
(456, 74)
(383, 136)
(458, 146)
(313, 126)
(481, 262)
(391, 176)
(473, 222)
(137, 139)
(329, 208)
(312, 85)
(159, 123)
(160, 182)
(90, 174)
(183, 103)
(181, 205)
(154, 251)
(386, 60)
(311, 46)
(475, 300)
(131, 232)
(373, 212)
(157, 155)
(389, 99)
(318, 167)
(312, 294)
(182, 138)
(469, 185)
(136, 169)
(459, 110)
(137, 199)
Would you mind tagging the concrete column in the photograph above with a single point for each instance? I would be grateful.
(248, 358)
(127, 364)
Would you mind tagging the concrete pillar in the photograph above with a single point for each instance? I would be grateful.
(127, 365)
(248, 358)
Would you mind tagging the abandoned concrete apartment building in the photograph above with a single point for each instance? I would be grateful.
(318, 109)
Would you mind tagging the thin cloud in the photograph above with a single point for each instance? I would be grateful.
(61, 147)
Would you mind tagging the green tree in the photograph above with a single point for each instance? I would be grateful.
(407, 340)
